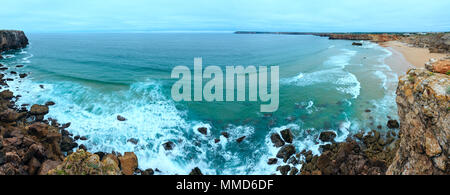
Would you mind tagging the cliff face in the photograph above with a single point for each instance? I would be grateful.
(435, 42)
(12, 39)
(423, 107)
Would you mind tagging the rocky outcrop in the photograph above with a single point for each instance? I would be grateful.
(12, 39)
(439, 66)
(423, 100)
(435, 42)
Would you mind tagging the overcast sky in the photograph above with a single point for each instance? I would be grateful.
(225, 15)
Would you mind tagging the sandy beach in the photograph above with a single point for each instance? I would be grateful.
(405, 57)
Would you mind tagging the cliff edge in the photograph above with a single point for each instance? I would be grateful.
(423, 107)
(12, 39)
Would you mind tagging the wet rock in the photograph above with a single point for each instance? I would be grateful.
(287, 135)
(67, 144)
(82, 147)
(121, 118)
(286, 152)
(83, 138)
(39, 109)
(272, 161)
(6, 95)
(203, 130)
(327, 136)
(276, 140)
(357, 44)
(128, 163)
(225, 134)
(41, 86)
(293, 171)
(393, 124)
(239, 140)
(196, 171)
(19, 66)
(168, 145)
(133, 141)
(49, 103)
(284, 170)
(13, 72)
(148, 172)
(77, 137)
(216, 141)
(23, 75)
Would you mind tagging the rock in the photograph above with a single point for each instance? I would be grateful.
(6, 95)
(67, 144)
(133, 141)
(196, 171)
(203, 130)
(284, 170)
(12, 39)
(128, 163)
(327, 136)
(272, 161)
(286, 152)
(13, 72)
(33, 166)
(41, 86)
(19, 66)
(85, 163)
(47, 166)
(49, 103)
(293, 171)
(225, 134)
(10, 115)
(101, 155)
(357, 44)
(276, 140)
(393, 124)
(216, 141)
(148, 172)
(23, 75)
(121, 118)
(77, 137)
(39, 109)
(239, 140)
(83, 147)
(168, 145)
(83, 138)
(287, 135)
(110, 165)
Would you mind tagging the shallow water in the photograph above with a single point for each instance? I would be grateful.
(324, 85)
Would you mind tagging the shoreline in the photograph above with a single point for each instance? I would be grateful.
(405, 57)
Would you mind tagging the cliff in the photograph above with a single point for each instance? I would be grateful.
(12, 39)
(435, 42)
(423, 107)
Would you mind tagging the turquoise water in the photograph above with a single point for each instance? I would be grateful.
(324, 85)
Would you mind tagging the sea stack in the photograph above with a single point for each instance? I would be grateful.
(12, 39)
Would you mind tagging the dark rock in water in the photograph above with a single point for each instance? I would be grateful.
(286, 152)
(196, 171)
(4, 68)
(203, 130)
(121, 118)
(294, 171)
(216, 141)
(39, 109)
(292, 161)
(327, 136)
(19, 66)
(13, 72)
(168, 145)
(272, 161)
(379, 127)
(284, 170)
(148, 172)
(67, 144)
(357, 44)
(41, 86)
(50, 103)
(239, 140)
(367, 110)
(133, 141)
(6, 95)
(83, 138)
(65, 125)
(225, 134)
(276, 140)
(83, 147)
(287, 135)
(393, 124)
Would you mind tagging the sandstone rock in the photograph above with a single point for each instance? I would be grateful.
(128, 163)
(287, 135)
(39, 109)
(276, 140)
(327, 136)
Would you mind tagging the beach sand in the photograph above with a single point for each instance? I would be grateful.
(405, 57)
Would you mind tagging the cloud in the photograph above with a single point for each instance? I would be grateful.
(225, 15)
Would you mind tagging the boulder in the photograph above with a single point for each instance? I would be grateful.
(121, 118)
(284, 170)
(47, 166)
(393, 124)
(196, 171)
(6, 94)
(327, 136)
(23, 75)
(148, 172)
(203, 130)
(128, 163)
(169, 145)
(286, 152)
(272, 161)
(239, 140)
(39, 109)
(287, 135)
(85, 163)
(225, 134)
(276, 140)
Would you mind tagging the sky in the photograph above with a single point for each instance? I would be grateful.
(225, 15)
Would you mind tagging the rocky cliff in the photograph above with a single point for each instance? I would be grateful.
(435, 42)
(12, 39)
(423, 107)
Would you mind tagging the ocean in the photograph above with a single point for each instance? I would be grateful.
(93, 77)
